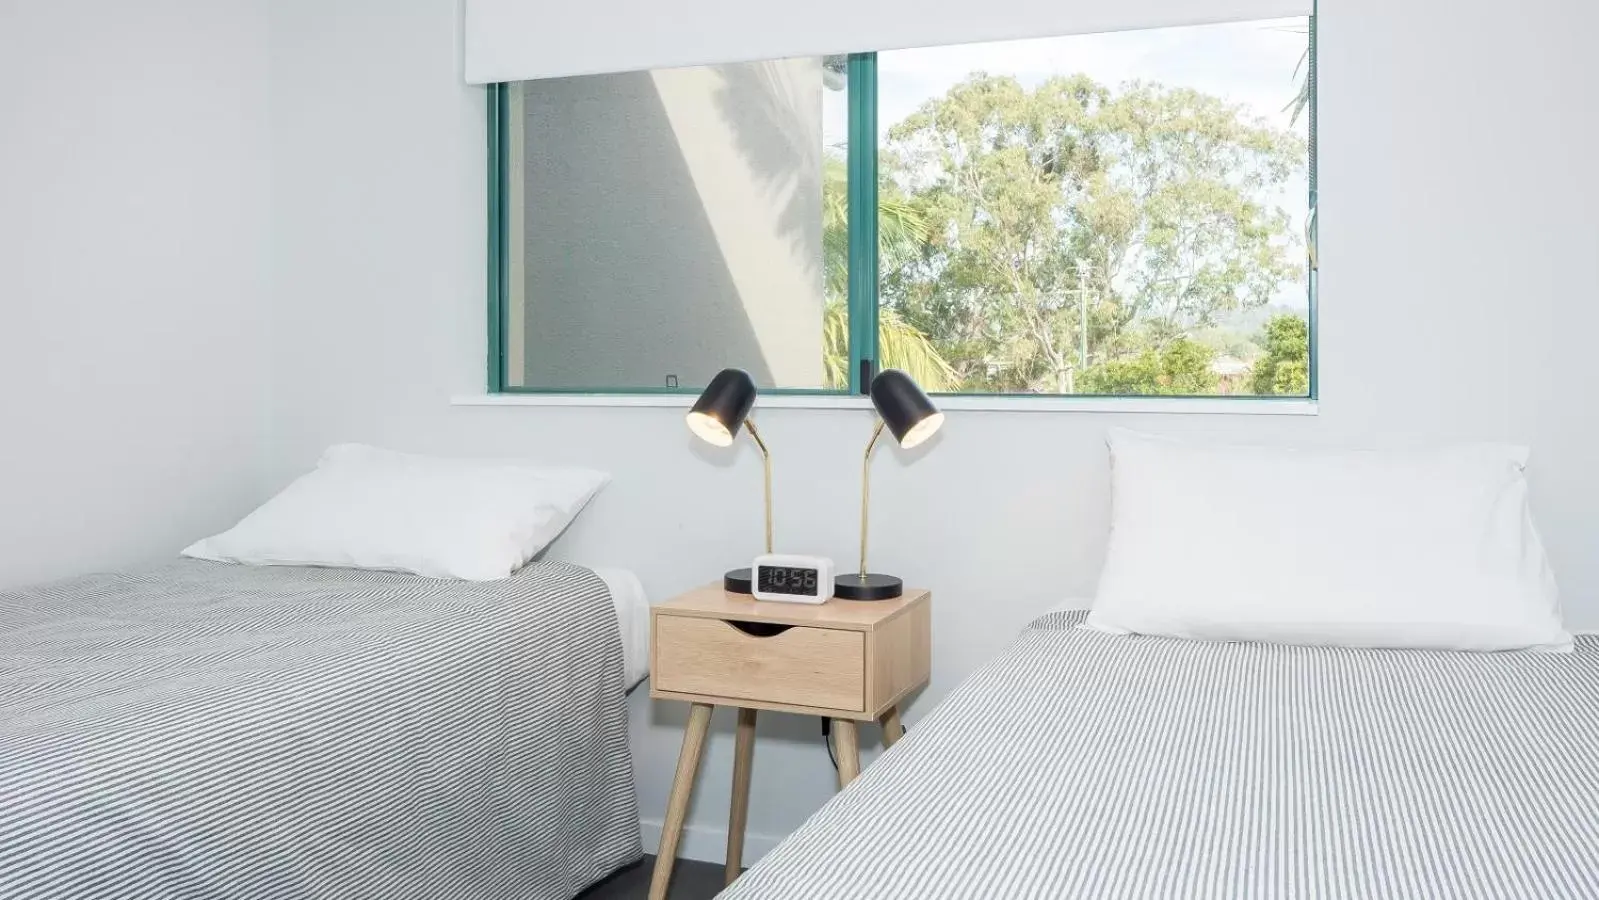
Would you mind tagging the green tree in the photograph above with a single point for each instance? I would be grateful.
(1181, 367)
(902, 230)
(901, 233)
(1285, 366)
(1141, 211)
(899, 346)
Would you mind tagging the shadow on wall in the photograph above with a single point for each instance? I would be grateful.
(776, 122)
(626, 280)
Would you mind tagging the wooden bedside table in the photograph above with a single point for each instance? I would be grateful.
(849, 661)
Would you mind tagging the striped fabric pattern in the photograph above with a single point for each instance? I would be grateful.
(206, 730)
(1080, 764)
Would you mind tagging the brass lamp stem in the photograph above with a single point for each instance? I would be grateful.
(766, 460)
(866, 489)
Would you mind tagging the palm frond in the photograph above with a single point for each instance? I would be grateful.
(1301, 100)
(900, 345)
(902, 229)
(835, 345)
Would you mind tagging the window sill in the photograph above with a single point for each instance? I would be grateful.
(1245, 406)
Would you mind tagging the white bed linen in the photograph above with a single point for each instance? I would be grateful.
(633, 617)
(1084, 765)
(1069, 603)
(1074, 603)
(1426, 548)
(367, 508)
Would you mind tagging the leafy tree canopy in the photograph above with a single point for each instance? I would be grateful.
(1181, 367)
(1285, 366)
(1071, 236)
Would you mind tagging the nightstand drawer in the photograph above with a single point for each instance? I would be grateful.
(817, 667)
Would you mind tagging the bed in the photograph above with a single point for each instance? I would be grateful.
(204, 729)
(1082, 764)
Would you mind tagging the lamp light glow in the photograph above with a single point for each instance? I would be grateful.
(709, 430)
(905, 408)
(722, 407)
(922, 430)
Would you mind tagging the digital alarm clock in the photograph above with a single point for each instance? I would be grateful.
(792, 578)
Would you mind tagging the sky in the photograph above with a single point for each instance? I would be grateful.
(1252, 63)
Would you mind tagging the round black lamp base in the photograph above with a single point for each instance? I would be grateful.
(872, 586)
(737, 581)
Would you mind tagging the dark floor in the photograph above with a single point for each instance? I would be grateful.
(691, 880)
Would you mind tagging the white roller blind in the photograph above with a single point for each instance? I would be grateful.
(512, 40)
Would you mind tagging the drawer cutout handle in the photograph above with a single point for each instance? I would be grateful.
(759, 629)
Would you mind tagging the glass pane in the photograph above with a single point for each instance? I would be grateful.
(1099, 214)
(663, 225)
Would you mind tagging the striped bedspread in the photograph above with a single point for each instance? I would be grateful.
(204, 730)
(1087, 765)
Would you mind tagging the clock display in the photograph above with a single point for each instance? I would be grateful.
(795, 580)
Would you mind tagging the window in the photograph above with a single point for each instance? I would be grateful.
(1129, 213)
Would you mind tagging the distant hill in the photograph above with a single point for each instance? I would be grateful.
(1249, 322)
(1235, 335)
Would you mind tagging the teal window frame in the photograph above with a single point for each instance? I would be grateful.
(1312, 257)
(862, 167)
(498, 288)
(861, 190)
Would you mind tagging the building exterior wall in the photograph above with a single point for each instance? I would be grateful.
(670, 226)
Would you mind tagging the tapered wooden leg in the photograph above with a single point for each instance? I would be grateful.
(849, 751)
(688, 763)
(892, 729)
(738, 813)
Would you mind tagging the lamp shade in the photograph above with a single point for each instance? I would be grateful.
(905, 408)
(722, 407)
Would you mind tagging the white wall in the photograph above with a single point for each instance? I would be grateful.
(133, 229)
(1458, 241)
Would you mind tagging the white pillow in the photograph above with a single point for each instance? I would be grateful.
(1426, 548)
(366, 508)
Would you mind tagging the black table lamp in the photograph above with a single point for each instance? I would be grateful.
(722, 407)
(911, 416)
